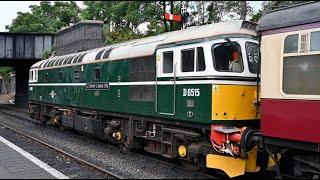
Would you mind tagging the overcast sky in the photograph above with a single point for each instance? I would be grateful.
(9, 9)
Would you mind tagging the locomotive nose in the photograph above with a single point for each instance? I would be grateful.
(234, 102)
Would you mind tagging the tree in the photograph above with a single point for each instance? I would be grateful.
(46, 17)
(121, 34)
(97, 10)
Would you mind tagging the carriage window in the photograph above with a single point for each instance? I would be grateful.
(227, 57)
(76, 75)
(60, 76)
(46, 77)
(315, 41)
(252, 50)
(291, 44)
(201, 64)
(301, 75)
(168, 62)
(96, 75)
(187, 60)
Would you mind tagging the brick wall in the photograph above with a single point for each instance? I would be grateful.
(79, 37)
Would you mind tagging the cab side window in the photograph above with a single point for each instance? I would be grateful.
(31, 75)
(167, 62)
(187, 60)
(201, 64)
(192, 60)
(227, 57)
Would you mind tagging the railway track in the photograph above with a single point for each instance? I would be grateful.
(112, 175)
(81, 161)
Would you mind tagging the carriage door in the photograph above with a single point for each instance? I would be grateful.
(165, 83)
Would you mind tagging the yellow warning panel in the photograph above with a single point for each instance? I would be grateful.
(231, 166)
(233, 102)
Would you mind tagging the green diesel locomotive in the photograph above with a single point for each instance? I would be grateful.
(186, 95)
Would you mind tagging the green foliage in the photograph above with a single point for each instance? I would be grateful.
(97, 10)
(122, 18)
(46, 54)
(216, 11)
(256, 16)
(232, 9)
(120, 35)
(6, 71)
(46, 18)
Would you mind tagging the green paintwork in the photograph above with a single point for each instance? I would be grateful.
(116, 99)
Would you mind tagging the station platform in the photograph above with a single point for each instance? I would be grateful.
(15, 163)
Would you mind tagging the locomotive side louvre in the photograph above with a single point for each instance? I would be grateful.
(171, 95)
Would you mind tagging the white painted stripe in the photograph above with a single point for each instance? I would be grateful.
(171, 17)
(58, 84)
(35, 160)
(153, 83)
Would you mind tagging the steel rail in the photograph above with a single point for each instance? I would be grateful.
(136, 154)
(81, 161)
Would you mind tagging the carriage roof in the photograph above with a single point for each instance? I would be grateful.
(290, 16)
(147, 46)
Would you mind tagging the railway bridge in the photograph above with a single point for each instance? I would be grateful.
(20, 51)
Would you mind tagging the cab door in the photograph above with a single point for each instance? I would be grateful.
(166, 83)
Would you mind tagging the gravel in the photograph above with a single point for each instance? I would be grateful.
(127, 165)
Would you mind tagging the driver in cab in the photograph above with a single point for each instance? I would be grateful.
(234, 64)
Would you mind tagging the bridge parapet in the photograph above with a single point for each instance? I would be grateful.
(24, 45)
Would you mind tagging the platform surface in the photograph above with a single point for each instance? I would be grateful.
(15, 163)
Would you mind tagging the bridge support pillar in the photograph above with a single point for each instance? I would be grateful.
(22, 78)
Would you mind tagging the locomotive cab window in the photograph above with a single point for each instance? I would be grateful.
(187, 60)
(252, 50)
(227, 57)
(201, 64)
(167, 62)
(191, 59)
(33, 75)
(96, 74)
